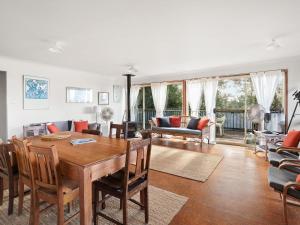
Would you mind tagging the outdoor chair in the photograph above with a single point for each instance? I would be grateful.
(220, 124)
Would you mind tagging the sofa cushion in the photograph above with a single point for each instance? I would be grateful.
(275, 158)
(175, 121)
(202, 123)
(193, 123)
(178, 130)
(94, 126)
(163, 122)
(80, 125)
(279, 177)
(292, 139)
(52, 128)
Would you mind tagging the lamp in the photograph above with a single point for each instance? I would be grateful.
(97, 110)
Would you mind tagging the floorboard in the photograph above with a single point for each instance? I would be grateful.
(236, 193)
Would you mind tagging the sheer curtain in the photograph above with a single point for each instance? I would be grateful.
(159, 94)
(210, 94)
(194, 91)
(134, 92)
(264, 85)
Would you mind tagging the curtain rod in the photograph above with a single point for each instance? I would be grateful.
(216, 77)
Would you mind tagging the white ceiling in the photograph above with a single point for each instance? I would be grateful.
(158, 36)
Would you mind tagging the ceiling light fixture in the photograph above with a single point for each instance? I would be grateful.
(273, 45)
(58, 47)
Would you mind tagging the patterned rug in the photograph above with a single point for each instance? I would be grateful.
(164, 205)
(193, 165)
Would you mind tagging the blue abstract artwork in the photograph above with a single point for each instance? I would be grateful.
(36, 88)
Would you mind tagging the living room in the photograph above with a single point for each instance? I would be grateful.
(208, 90)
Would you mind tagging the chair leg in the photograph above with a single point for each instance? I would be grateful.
(60, 213)
(103, 205)
(142, 198)
(96, 206)
(1, 190)
(35, 208)
(125, 217)
(11, 196)
(121, 203)
(146, 204)
(285, 209)
(21, 196)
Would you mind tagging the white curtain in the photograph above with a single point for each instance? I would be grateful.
(194, 91)
(134, 92)
(210, 94)
(265, 84)
(159, 94)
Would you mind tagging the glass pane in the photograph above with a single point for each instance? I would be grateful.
(174, 100)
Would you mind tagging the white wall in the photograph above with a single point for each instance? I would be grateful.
(291, 63)
(3, 111)
(59, 78)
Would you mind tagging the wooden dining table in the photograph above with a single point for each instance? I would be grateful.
(86, 163)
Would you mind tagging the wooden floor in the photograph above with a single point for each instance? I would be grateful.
(236, 193)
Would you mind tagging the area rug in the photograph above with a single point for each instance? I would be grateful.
(163, 205)
(193, 165)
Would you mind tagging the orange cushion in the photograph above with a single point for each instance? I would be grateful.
(52, 128)
(298, 180)
(202, 123)
(175, 121)
(292, 139)
(81, 125)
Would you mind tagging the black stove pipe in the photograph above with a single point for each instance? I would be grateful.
(128, 76)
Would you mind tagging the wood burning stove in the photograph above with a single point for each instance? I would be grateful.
(131, 126)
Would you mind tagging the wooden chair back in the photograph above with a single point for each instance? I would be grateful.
(21, 149)
(120, 128)
(45, 167)
(142, 148)
(6, 151)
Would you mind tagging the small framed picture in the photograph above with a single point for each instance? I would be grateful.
(103, 98)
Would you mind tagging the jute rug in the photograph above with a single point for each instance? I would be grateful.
(164, 206)
(188, 164)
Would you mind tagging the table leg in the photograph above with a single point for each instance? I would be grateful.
(85, 196)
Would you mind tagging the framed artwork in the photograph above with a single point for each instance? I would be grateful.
(36, 92)
(79, 95)
(117, 93)
(103, 98)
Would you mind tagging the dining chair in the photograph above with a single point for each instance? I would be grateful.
(49, 184)
(21, 149)
(127, 182)
(93, 132)
(8, 172)
(120, 129)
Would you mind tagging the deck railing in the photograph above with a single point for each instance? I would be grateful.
(234, 119)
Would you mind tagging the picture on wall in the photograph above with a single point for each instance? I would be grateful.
(103, 98)
(117, 93)
(79, 95)
(36, 92)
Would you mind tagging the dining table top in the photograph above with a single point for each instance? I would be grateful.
(104, 148)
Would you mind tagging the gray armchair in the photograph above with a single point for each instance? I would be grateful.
(283, 181)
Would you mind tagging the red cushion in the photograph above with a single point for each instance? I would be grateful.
(175, 121)
(52, 128)
(298, 180)
(292, 139)
(158, 121)
(202, 123)
(81, 125)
